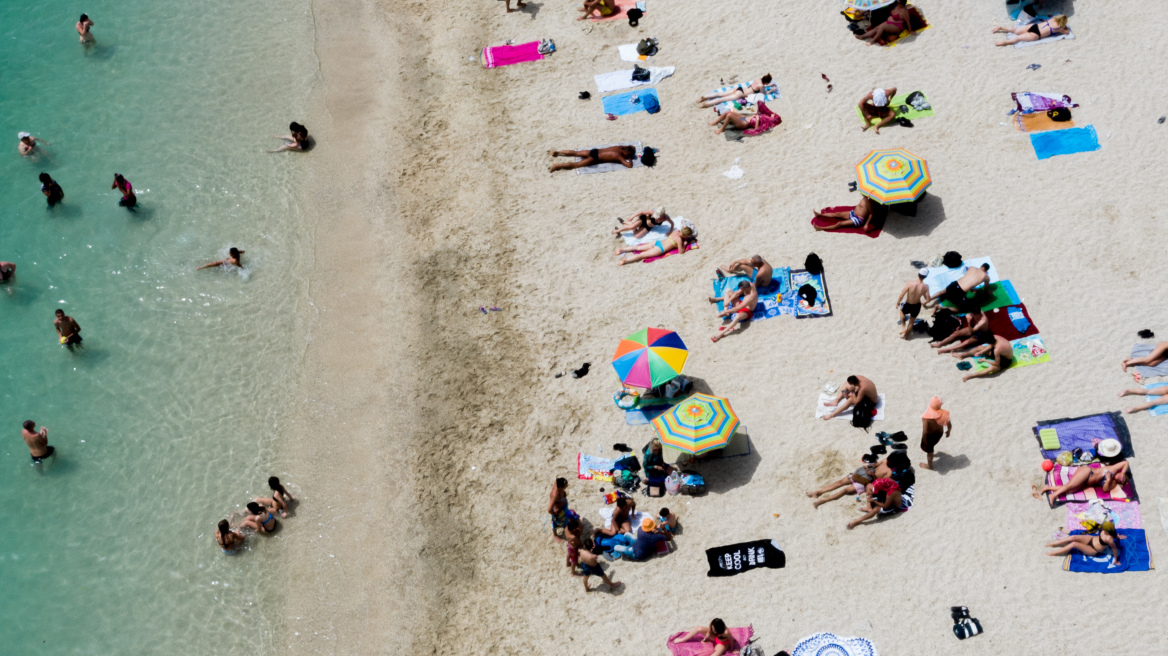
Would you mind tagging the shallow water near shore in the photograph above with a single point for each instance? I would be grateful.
(170, 416)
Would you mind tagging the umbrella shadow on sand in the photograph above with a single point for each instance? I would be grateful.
(901, 224)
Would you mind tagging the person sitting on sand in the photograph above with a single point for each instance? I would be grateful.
(649, 535)
(908, 303)
(667, 520)
(956, 292)
(298, 140)
(854, 483)
(974, 329)
(678, 240)
(753, 266)
(751, 125)
(1034, 31)
(261, 519)
(875, 106)
(654, 466)
(1106, 478)
(1092, 544)
(935, 424)
(1159, 354)
(7, 270)
(604, 7)
(737, 93)
(228, 538)
(642, 222)
(716, 633)
(858, 217)
(897, 22)
(233, 255)
(26, 143)
(623, 155)
(558, 506)
(279, 499)
(849, 394)
(590, 565)
(739, 307)
(52, 191)
(885, 497)
(1160, 392)
(621, 519)
(129, 199)
(83, 29)
(1000, 355)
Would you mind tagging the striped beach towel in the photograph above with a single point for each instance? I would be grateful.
(1062, 475)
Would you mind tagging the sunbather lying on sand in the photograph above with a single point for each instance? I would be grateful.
(854, 483)
(750, 266)
(677, 240)
(1107, 478)
(642, 222)
(623, 155)
(885, 495)
(1096, 544)
(716, 633)
(603, 7)
(1158, 355)
(1033, 31)
(895, 24)
(737, 93)
(973, 323)
(1000, 355)
(758, 123)
(857, 387)
(1161, 392)
(859, 217)
(875, 105)
(739, 306)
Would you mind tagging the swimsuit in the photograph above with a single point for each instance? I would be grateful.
(264, 524)
(658, 244)
(591, 570)
(49, 451)
(911, 309)
(930, 440)
(1006, 363)
(561, 518)
(856, 221)
(595, 155)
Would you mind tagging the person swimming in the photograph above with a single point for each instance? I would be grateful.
(233, 259)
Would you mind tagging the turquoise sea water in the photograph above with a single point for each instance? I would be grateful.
(170, 417)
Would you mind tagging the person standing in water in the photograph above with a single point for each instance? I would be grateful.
(51, 189)
(83, 28)
(233, 255)
(129, 200)
(68, 329)
(7, 270)
(37, 441)
(26, 143)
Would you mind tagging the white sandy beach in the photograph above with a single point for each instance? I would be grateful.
(429, 433)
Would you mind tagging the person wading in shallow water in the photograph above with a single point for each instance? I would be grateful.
(37, 441)
(67, 329)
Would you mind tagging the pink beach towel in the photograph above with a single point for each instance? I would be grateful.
(696, 647)
(495, 56)
(622, 7)
(816, 221)
(1126, 514)
(1062, 475)
(692, 246)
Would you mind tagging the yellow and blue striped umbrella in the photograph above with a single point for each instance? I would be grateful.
(866, 5)
(698, 424)
(893, 176)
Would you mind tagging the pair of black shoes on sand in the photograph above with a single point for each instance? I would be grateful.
(964, 626)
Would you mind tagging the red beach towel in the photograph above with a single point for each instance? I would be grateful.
(495, 56)
(1000, 323)
(878, 223)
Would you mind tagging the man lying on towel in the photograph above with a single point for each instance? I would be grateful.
(751, 267)
(739, 306)
(1106, 478)
(623, 155)
(956, 292)
(859, 217)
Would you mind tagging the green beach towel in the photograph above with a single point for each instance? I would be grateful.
(998, 295)
(1049, 437)
(895, 103)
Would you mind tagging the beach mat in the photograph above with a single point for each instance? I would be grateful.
(1081, 432)
(773, 300)
(829, 644)
(994, 295)
(691, 246)
(620, 80)
(1031, 101)
(1062, 475)
(772, 92)
(822, 306)
(611, 166)
(622, 8)
(628, 52)
(590, 467)
(623, 104)
(878, 224)
(734, 559)
(917, 19)
(895, 103)
(496, 56)
(1039, 122)
(1140, 350)
(1064, 142)
(940, 277)
(1050, 39)
(739, 445)
(696, 647)
(1125, 514)
(822, 409)
(1134, 555)
(1027, 351)
(1005, 322)
(1159, 410)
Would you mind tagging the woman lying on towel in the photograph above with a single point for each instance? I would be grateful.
(859, 217)
(764, 120)
(885, 496)
(737, 93)
(1106, 478)
(1095, 544)
(642, 222)
(1034, 31)
(716, 633)
(896, 23)
(623, 155)
(677, 240)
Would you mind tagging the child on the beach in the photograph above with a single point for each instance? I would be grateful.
(590, 565)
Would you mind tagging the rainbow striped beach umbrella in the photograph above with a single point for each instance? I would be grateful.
(698, 424)
(866, 5)
(650, 357)
(893, 176)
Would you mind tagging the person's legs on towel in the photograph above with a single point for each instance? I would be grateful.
(1162, 392)
(1157, 356)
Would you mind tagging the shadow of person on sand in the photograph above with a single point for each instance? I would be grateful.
(902, 223)
(531, 8)
(944, 463)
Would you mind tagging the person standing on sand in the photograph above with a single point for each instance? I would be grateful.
(37, 441)
(67, 329)
(26, 143)
(590, 565)
(129, 200)
(52, 191)
(558, 507)
(857, 388)
(935, 424)
(83, 26)
(518, 5)
(914, 293)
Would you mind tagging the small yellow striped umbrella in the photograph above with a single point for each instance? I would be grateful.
(893, 176)
(698, 424)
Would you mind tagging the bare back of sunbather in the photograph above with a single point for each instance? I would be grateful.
(623, 155)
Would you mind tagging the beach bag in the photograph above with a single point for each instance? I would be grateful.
(944, 323)
(1059, 114)
(649, 156)
(673, 483)
(862, 414)
(813, 264)
(809, 294)
(650, 104)
(692, 483)
(640, 74)
(647, 47)
(628, 463)
(952, 259)
(634, 15)
(918, 101)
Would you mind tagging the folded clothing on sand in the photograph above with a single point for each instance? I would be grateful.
(1085, 432)
(629, 102)
(992, 296)
(1011, 322)
(611, 166)
(1029, 101)
(617, 80)
(1134, 555)
(940, 277)
(1039, 122)
(877, 224)
(1064, 142)
(1139, 351)
(822, 408)
(495, 56)
(1156, 410)
(1062, 475)
(695, 647)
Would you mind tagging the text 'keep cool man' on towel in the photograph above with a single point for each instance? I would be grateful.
(745, 556)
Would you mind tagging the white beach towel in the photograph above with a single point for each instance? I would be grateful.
(617, 80)
(628, 52)
(822, 408)
(657, 232)
(611, 166)
(1049, 39)
(940, 277)
(634, 520)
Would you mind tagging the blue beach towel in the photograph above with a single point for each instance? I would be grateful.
(773, 300)
(1133, 555)
(622, 104)
(1158, 410)
(1064, 142)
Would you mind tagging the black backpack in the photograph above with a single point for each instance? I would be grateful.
(634, 15)
(862, 413)
(813, 264)
(649, 157)
(640, 74)
(952, 259)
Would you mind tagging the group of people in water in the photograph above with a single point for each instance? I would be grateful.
(259, 516)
